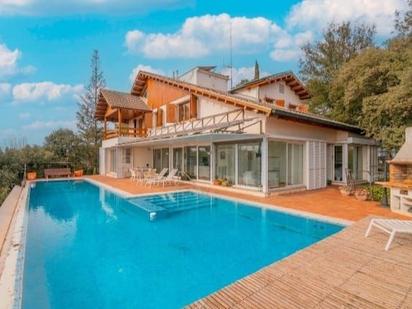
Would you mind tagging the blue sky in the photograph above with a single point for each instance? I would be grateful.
(45, 46)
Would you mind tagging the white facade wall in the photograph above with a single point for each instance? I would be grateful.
(272, 91)
(142, 156)
(206, 79)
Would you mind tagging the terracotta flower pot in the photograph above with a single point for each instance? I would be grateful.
(78, 173)
(217, 182)
(345, 191)
(31, 175)
(361, 195)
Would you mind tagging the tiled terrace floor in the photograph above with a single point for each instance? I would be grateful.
(326, 202)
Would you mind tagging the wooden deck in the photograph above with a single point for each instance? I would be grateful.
(326, 202)
(346, 270)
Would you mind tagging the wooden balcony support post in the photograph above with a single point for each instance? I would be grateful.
(105, 127)
(119, 119)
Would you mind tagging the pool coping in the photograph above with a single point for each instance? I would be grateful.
(11, 279)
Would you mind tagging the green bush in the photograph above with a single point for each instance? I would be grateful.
(375, 192)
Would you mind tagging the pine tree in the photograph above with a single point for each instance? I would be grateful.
(90, 130)
(257, 73)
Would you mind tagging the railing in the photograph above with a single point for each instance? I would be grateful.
(209, 123)
(129, 132)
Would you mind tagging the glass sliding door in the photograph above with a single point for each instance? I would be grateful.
(285, 164)
(157, 159)
(204, 162)
(178, 158)
(249, 164)
(160, 159)
(338, 163)
(225, 162)
(190, 160)
(277, 163)
(295, 164)
(165, 158)
(355, 161)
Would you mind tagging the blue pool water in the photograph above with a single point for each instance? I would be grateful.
(89, 248)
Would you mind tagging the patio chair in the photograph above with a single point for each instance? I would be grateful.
(133, 176)
(152, 178)
(163, 180)
(391, 226)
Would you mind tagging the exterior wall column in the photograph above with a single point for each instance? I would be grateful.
(212, 162)
(265, 166)
(345, 166)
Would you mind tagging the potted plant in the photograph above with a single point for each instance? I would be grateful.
(361, 194)
(31, 175)
(226, 183)
(345, 190)
(78, 173)
(217, 182)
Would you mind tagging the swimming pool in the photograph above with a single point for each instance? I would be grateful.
(89, 248)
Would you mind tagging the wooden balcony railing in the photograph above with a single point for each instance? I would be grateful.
(129, 132)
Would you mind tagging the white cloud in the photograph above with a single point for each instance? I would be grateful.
(44, 91)
(9, 62)
(288, 47)
(242, 73)
(58, 7)
(142, 67)
(51, 124)
(202, 35)
(315, 14)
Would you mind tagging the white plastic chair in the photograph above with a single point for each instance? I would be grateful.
(132, 174)
(390, 226)
(153, 180)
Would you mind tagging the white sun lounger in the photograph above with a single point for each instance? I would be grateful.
(157, 177)
(164, 180)
(391, 226)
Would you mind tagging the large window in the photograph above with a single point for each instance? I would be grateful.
(183, 111)
(285, 164)
(204, 162)
(161, 159)
(177, 158)
(191, 161)
(338, 164)
(249, 162)
(295, 164)
(225, 162)
(355, 161)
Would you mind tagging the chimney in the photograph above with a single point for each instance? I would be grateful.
(404, 155)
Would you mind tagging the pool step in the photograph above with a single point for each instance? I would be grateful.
(162, 205)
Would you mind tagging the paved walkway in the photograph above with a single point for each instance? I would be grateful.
(346, 270)
(327, 202)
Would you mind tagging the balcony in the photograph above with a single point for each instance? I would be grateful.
(126, 132)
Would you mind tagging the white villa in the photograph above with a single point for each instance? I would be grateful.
(258, 136)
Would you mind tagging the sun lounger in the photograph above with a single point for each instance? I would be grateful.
(163, 180)
(156, 177)
(391, 226)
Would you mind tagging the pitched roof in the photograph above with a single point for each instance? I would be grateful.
(237, 100)
(314, 119)
(141, 78)
(117, 99)
(289, 77)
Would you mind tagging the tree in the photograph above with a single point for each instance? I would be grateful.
(257, 72)
(322, 60)
(90, 129)
(374, 91)
(65, 146)
(403, 22)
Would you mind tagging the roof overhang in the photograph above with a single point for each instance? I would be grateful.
(190, 139)
(112, 101)
(289, 78)
(142, 77)
(315, 120)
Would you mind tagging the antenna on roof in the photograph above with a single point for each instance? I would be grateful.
(231, 55)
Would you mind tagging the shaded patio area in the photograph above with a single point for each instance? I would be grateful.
(326, 202)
